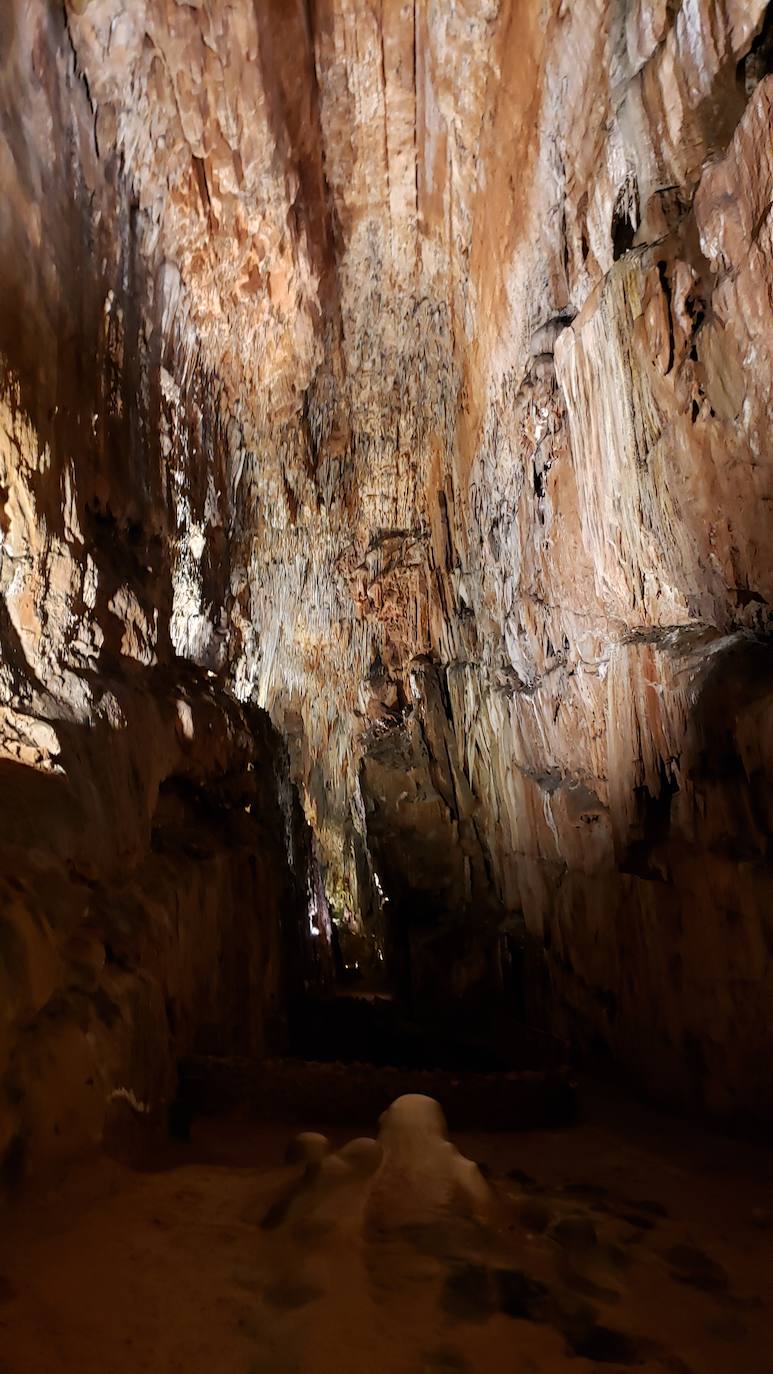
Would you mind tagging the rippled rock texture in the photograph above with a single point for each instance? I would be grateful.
(451, 331)
(157, 878)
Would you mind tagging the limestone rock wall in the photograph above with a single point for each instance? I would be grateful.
(479, 483)
(157, 880)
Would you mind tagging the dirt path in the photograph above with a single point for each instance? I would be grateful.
(616, 1243)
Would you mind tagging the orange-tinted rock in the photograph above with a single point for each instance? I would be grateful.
(452, 331)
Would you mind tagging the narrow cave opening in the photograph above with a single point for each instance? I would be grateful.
(626, 217)
(623, 229)
(369, 1009)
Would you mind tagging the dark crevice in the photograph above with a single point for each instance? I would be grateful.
(666, 287)
(625, 219)
(758, 62)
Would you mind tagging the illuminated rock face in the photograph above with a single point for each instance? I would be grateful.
(410, 368)
(156, 875)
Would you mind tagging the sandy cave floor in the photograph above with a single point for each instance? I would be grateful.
(624, 1241)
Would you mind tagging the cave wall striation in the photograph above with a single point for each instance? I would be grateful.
(157, 878)
(452, 330)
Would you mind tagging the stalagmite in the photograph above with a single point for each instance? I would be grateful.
(422, 1177)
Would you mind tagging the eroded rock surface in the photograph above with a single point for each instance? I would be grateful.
(157, 880)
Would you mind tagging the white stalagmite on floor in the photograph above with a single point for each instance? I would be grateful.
(412, 1175)
(422, 1175)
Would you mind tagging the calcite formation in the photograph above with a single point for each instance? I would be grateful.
(422, 1175)
(408, 367)
(412, 1176)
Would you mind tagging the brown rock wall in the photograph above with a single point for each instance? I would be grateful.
(478, 505)
(154, 869)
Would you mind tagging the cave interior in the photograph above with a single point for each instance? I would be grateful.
(386, 686)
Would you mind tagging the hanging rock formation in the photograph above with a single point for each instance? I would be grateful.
(408, 367)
